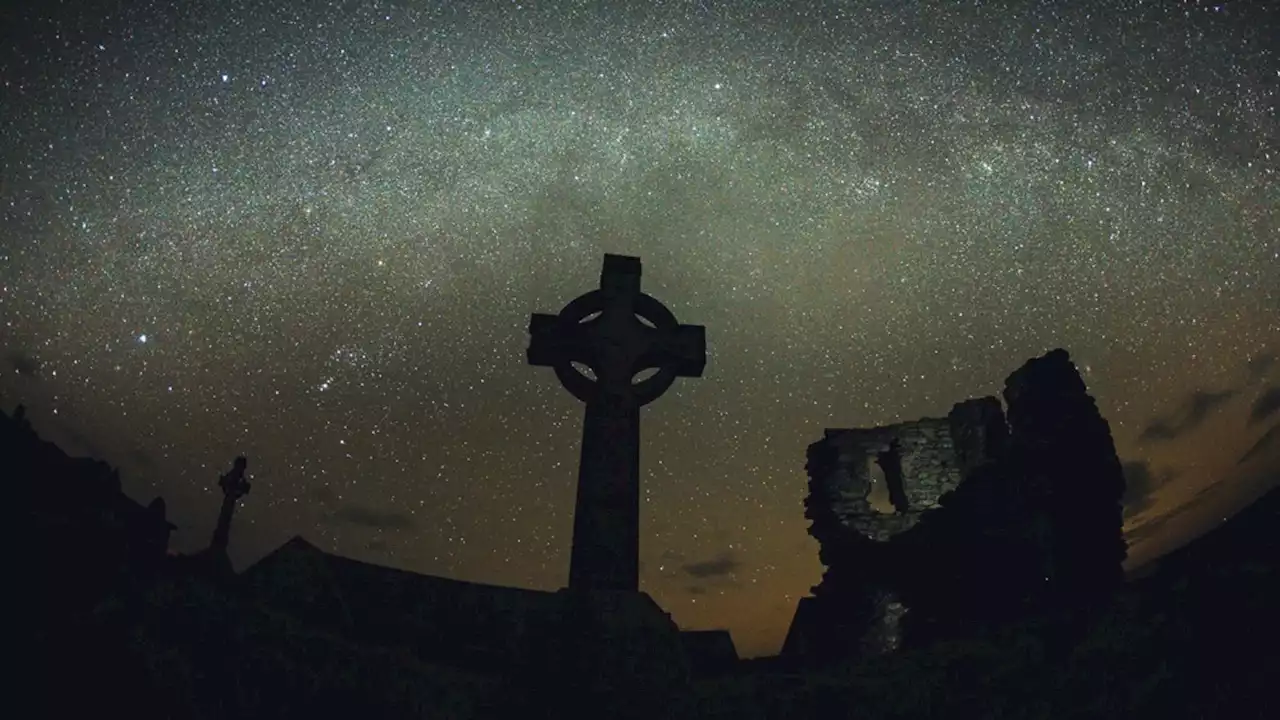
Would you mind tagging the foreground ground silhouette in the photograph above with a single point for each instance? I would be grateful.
(107, 622)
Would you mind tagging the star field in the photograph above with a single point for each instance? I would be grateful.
(314, 234)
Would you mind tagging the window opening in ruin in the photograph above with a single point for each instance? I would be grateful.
(878, 493)
(890, 461)
(887, 492)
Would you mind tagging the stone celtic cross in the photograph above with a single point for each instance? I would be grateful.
(618, 332)
(234, 486)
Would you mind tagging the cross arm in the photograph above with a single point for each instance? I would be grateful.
(553, 342)
(683, 350)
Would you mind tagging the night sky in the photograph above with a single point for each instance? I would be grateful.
(313, 234)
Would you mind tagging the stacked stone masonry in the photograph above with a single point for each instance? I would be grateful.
(986, 519)
(935, 455)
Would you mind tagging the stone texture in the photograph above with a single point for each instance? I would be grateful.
(993, 519)
(936, 453)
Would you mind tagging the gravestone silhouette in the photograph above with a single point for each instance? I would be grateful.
(214, 559)
(618, 332)
(234, 486)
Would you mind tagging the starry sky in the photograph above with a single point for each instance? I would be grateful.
(313, 233)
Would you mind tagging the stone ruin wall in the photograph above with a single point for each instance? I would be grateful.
(928, 471)
(1055, 452)
(936, 454)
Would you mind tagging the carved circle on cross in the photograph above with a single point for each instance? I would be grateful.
(587, 309)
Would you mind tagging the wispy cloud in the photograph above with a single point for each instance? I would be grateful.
(1260, 366)
(1270, 441)
(1140, 485)
(1191, 413)
(1267, 404)
(364, 516)
(722, 565)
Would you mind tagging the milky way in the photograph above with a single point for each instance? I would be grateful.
(314, 235)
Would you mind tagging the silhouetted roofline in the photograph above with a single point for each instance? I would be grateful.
(338, 563)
